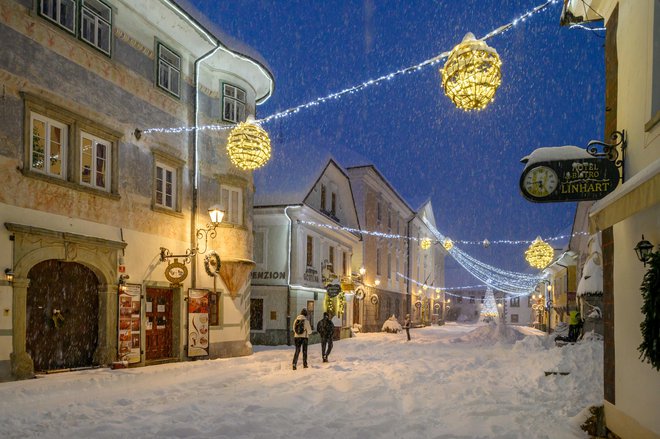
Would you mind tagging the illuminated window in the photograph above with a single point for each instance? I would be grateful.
(233, 103)
(48, 146)
(169, 70)
(95, 162)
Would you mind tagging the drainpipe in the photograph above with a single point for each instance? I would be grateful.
(195, 170)
(288, 277)
(409, 272)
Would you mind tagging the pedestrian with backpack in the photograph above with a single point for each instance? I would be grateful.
(301, 331)
(326, 330)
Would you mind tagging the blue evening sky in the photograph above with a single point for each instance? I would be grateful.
(552, 94)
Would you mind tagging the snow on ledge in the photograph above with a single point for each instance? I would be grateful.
(553, 153)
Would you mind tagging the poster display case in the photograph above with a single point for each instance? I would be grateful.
(130, 328)
(198, 323)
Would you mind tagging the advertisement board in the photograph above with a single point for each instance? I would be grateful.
(130, 323)
(198, 323)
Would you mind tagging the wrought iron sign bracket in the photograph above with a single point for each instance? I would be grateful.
(610, 151)
(165, 254)
(208, 232)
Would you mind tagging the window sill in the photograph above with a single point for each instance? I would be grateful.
(71, 185)
(655, 119)
(166, 211)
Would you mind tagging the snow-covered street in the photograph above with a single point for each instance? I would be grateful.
(454, 381)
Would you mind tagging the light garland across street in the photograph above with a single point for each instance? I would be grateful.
(356, 88)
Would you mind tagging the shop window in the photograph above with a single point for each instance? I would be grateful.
(232, 202)
(233, 103)
(310, 313)
(256, 314)
(96, 24)
(48, 146)
(169, 70)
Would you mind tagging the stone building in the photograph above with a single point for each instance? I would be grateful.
(89, 194)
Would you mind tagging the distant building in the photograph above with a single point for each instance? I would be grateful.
(89, 198)
(300, 247)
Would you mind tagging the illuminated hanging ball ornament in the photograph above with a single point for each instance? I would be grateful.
(539, 254)
(425, 244)
(486, 243)
(471, 74)
(248, 145)
(448, 244)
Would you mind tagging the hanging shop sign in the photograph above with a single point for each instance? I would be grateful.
(333, 289)
(583, 179)
(198, 323)
(176, 272)
(130, 328)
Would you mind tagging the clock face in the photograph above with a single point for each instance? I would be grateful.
(541, 181)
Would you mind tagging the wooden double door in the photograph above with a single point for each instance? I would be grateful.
(158, 327)
(62, 315)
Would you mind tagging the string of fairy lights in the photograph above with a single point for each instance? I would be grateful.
(357, 88)
(509, 282)
(485, 242)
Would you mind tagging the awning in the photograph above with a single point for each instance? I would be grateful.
(640, 192)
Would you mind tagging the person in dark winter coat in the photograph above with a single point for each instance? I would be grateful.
(301, 337)
(326, 330)
(406, 326)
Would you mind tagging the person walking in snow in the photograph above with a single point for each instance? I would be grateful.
(301, 331)
(326, 330)
(406, 325)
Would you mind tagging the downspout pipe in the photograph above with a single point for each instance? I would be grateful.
(195, 166)
(288, 276)
(409, 270)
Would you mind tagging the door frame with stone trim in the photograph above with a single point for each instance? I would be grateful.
(33, 245)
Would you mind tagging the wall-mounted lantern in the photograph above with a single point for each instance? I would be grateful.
(643, 250)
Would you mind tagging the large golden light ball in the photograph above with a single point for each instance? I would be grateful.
(539, 254)
(448, 244)
(425, 244)
(248, 146)
(471, 74)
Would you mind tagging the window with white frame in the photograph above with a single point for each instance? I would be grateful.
(166, 186)
(232, 203)
(95, 162)
(61, 12)
(233, 103)
(259, 247)
(96, 24)
(515, 302)
(169, 70)
(48, 146)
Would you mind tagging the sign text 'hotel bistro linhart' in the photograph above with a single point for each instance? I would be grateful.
(567, 173)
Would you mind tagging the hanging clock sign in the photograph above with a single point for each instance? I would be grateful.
(581, 179)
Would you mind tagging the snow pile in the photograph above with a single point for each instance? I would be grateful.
(491, 333)
(391, 325)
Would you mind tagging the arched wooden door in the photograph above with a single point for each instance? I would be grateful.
(62, 315)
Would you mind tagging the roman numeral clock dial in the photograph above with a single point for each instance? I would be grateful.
(540, 181)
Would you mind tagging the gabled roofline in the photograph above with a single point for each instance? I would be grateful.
(389, 185)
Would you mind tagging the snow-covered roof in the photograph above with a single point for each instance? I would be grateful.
(552, 153)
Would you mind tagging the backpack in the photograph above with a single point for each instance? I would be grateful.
(299, 327)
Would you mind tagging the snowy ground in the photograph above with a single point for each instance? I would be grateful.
(455, 381)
